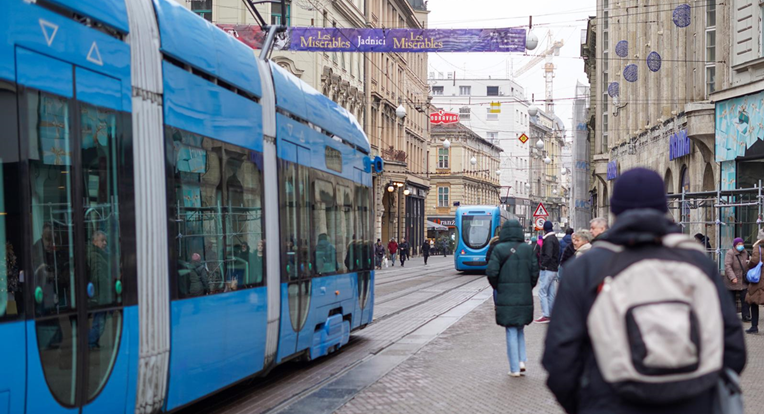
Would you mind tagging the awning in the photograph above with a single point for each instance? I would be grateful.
(434, 226)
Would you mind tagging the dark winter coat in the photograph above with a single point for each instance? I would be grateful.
(513, 278)
(568, 253)
(736, 268)
(549, 258)
(574, 376)
(379, 250)
(754, 291)
(564, 243)
(426, 248)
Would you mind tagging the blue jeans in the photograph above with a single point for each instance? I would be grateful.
(393, 259)
(96, 328)
(547, 291)
(516, 347)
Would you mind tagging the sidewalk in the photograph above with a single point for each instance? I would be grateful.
(465, 369)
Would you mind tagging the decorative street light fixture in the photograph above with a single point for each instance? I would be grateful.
(447, 144)
(547, 160)
(499, 172)
(533, 110)
(401, 111)
(563, 171)
(473, 161)
(540, 144)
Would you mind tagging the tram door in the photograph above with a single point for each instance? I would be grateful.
(71, 125)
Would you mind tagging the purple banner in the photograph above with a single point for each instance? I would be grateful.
(403, 40)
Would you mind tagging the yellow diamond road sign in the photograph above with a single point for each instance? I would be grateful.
(523, 138)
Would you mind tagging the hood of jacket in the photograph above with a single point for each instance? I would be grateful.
(511, 231)
(640, 226)
(566, 239)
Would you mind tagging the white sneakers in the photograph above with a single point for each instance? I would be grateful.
(514, 374)
(523, 366)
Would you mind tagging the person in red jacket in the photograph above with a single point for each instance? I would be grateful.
(392, 249)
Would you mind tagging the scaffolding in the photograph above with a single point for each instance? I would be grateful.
(720, 216)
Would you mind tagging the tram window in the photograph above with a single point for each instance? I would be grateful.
(325, 227)
(50, 170)
(345, 227)
(98, 129)
(289, 217)
(304, 245)
(11, 279)
(364, 244)
(245, 245)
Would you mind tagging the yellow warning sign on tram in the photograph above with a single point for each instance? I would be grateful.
(523, 138)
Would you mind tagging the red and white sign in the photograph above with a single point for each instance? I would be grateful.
(442, 117)
(539, 223)
(541, 211)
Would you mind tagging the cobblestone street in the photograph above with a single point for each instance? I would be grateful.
(465, 370)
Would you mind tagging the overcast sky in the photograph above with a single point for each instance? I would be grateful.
(564, 18)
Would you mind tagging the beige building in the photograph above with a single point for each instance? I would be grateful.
(463, 172)
(546, 184)
(398, 80)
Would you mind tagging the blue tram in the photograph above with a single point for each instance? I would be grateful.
(476, 225)
(176, 215)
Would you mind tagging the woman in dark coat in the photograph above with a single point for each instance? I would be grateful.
(513, 270)
(754, 291)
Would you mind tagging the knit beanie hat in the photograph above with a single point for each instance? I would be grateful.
(639, 188)
(737, 240)
(547, 226)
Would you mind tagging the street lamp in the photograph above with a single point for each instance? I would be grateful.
(563, 171)
(447, 144)
(401, 111)
(499, 172)
(473, 161)
(555, 191)
(540, 144)
(533, 110)
(547, 160)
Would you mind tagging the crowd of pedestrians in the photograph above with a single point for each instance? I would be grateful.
(640, 319)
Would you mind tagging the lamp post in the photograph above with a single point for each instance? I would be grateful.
(401, 114)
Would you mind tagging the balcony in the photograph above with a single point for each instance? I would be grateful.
(392, 154)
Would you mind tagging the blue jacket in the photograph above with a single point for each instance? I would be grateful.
(564, 242)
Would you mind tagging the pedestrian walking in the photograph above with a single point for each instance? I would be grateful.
(379, 253)
(736, 266)
(426, 250)
(754, 294)
(403, 251)
(581, 241)
(513, 272)
(646, 325)
(392, 249)
(549, 258)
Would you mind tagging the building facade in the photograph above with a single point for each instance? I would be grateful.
(545, 166)
(462, 173)
(396, 80)
(579, 200)
(652, 73)
(471, 99)
(738, 116)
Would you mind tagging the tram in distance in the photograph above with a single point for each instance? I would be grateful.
(176, 214)
(476, 225)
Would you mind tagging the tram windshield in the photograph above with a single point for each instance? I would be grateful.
(476, 230)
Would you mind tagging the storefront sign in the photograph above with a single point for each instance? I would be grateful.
(612, 170)
(679, 145)
(335, 39)
(442, 221)
(442, 117)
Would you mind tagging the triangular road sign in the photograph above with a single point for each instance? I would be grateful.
(541, 210)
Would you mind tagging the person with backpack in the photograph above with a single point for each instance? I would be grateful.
(513, 272)
(549, 259)
(646, 326)
(736, 260)
(754, 291)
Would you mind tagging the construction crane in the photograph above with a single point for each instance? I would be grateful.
(553, 49)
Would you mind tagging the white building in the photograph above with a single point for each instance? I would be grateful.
(472, 99)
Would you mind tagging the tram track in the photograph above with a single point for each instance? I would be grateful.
(399, 315)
